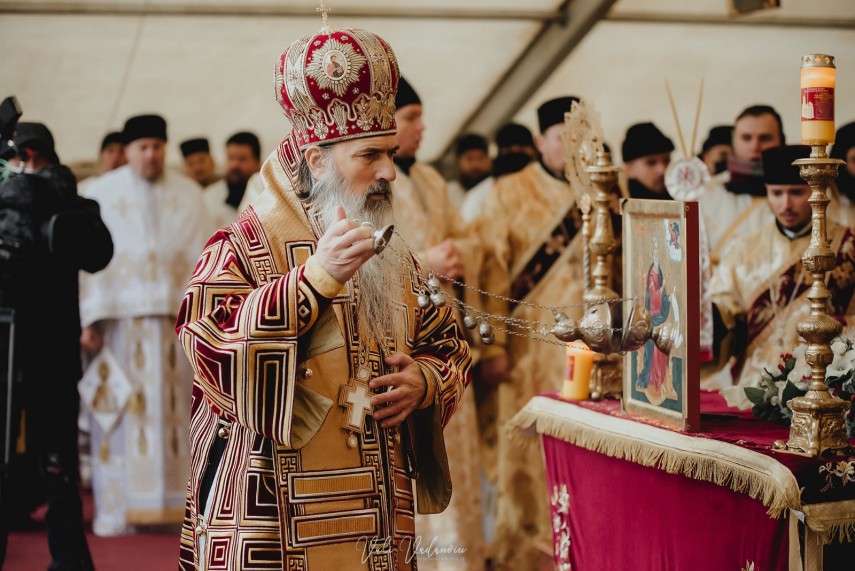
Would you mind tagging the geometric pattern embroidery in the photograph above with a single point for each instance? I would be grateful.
(240, 322)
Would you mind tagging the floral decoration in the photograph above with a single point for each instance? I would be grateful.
(792, 377)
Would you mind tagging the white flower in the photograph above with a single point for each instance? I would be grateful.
(839, 367)
(799, 372)
(838, 346)
(775, 400)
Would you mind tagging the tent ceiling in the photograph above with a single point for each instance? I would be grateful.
(86, 65)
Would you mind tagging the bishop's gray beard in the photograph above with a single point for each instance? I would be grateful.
(380, 302)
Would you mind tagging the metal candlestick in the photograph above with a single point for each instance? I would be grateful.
(818, 425)
(606, 376)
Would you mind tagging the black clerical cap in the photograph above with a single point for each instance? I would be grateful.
(191, 146)
(778, 164)
(552, 112)
(644, 139)
(843, 141)
(720, 135)
(406, 94)
(112, 138)
(514, 134)
(36, 136)
(144, 127)
(470, 142)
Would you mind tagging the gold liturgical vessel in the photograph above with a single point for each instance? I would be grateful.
(606, 372)
(818, 418)
(602, 327)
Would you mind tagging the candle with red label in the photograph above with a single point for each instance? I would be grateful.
(817, 83)
(577, 377)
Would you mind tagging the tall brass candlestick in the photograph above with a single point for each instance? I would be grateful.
(818, 424)
(603, 244)
(606, 372)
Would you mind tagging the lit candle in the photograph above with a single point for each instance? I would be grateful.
(817, 82)
(577, 378)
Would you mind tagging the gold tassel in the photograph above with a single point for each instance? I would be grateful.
(104, 453)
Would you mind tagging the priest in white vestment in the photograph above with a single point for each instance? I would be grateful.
(243, 160)
(142, 402)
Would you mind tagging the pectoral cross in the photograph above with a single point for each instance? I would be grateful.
(324, 9)
(356, 397)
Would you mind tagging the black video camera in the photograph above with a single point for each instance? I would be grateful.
(10, 112)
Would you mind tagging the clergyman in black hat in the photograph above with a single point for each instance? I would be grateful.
(646, 153)
(159, 224)
(533, 246)
(473, 166)
(515, 149)
(424, 214)
(760, 283)
(717, 147)
(198, 162)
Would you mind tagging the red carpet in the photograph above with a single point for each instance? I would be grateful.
(144, 552)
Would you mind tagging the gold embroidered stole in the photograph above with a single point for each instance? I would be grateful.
(540, 258)
(841, 284)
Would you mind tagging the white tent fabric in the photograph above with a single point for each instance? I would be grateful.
(84, 66)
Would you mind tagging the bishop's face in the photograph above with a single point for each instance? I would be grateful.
(365, 162)
(146, 157)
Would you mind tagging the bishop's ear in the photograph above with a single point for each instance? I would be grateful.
(316, 159)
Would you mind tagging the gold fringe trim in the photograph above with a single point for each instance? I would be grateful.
(774, 494)
(832, 520)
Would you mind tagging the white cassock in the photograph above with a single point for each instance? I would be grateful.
(728, 216)
(222, 213)
(476, 199)
(254, 188)
(140, 467)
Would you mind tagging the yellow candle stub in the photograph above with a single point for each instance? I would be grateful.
(577, 378)
(817, 91)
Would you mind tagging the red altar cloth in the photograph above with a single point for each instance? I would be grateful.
(625, 516)
(615, 513)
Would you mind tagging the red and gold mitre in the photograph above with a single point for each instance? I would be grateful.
(337, 85)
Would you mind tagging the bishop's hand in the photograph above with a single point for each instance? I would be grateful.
(406, 391)
(344, 247)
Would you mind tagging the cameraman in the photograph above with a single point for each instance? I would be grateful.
(47, 235)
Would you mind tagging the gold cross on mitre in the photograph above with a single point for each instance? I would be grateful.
(324, 10)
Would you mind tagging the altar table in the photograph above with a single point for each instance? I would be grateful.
(629, 495)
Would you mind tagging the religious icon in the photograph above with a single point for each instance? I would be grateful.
(653, 377)
(334, 64)
(663, 385)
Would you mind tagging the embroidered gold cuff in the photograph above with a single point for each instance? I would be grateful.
(430, 394)
(321, 280)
